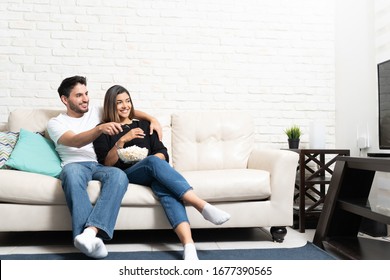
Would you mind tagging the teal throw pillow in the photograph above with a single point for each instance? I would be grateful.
(34, 153)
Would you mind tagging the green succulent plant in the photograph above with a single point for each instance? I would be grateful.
(293, 132)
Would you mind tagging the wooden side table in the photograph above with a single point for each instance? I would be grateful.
(311, 182)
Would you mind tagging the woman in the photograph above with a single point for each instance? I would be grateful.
(154, 171)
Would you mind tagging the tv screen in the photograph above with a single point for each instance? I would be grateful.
(384, 104)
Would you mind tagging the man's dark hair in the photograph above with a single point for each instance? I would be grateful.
(69, 83)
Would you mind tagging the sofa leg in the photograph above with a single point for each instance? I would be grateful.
(278, 234)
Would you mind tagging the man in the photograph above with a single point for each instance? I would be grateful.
(73, 133)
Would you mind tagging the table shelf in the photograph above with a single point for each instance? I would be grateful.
(358, 248)
(361, 208)
(319, 180)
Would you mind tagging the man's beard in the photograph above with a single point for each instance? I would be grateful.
(77, 109)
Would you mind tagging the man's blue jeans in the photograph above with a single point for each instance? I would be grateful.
(166, 183)
(103, 215)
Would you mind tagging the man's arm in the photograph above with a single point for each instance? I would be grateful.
(79, 140)
(154, 123)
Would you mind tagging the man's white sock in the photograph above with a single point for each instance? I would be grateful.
(90, 245)
(190, 252)
(215, 215)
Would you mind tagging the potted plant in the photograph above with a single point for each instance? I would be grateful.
(293, 134)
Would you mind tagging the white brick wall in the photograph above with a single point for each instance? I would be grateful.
(382, 30)
(273, 58)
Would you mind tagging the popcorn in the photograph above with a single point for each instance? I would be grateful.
(132, 154)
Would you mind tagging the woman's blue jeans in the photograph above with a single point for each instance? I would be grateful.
(165, 182)
(103, 215)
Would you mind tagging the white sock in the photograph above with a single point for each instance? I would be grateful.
(190, 252)
(215, 215)
(90, 245)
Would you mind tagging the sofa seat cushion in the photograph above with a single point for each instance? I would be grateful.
(230, 184)
(212, 185)
(31, 188)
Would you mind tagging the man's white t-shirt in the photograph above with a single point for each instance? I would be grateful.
(62, 123)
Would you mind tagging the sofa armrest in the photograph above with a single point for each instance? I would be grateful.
(282, 166)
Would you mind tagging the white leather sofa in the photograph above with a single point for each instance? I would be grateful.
(215, 151)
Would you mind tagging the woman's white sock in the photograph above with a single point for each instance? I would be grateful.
(215, 215)
(90, 245)
(190, 252)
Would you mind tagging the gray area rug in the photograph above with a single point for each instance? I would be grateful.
(307, 252)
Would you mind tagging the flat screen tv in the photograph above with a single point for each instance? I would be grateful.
(384, 104)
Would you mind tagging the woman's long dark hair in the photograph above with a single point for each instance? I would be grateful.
(110, 113)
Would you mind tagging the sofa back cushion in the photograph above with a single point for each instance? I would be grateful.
(31, 119)
(211, 140)
(36, 120)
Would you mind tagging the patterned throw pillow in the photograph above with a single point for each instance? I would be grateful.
(8, 141)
